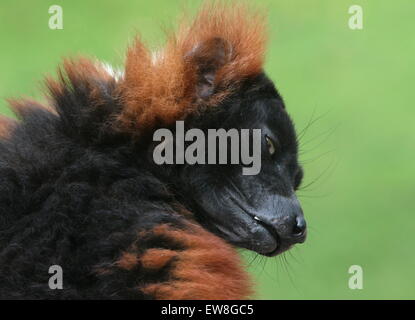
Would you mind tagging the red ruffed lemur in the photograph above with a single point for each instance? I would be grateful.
(79, 187)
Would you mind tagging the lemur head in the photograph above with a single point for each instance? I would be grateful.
(210, 75)
(259, 212)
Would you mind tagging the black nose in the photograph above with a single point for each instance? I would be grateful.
(299, 229)
(284, 218)
(291, 229)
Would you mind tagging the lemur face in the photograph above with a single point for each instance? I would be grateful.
(212, 76)
(257, 212)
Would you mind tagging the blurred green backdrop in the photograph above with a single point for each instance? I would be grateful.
(354, 86)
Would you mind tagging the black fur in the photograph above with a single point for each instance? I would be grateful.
(76, 192)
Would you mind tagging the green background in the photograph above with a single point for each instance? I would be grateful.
(356, 87)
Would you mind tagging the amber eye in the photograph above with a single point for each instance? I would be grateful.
(270, 145)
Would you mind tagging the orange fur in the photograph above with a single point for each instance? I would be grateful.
(74, 72)
(80, 71)
(6, 125)
(157, 92)
(21, 106)
(157, 258)
(208, 268)
(162, 91)
(128, 261)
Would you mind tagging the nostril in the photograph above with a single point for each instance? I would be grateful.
(297, 232)
(299, 227)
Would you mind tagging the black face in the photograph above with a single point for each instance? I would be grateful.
(257, 212)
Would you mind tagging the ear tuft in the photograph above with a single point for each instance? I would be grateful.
(208, 58)
(237, 26)
(201, 64)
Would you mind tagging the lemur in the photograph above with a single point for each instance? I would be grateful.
(79, 187)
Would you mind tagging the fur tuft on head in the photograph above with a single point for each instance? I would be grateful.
(200, 65)
(6, 124)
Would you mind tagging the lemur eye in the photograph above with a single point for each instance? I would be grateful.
(270, 145)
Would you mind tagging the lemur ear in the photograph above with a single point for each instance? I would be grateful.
(202, 63)
(207, 59)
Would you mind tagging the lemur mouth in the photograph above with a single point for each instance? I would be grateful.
(269, 242)
(280, 247)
